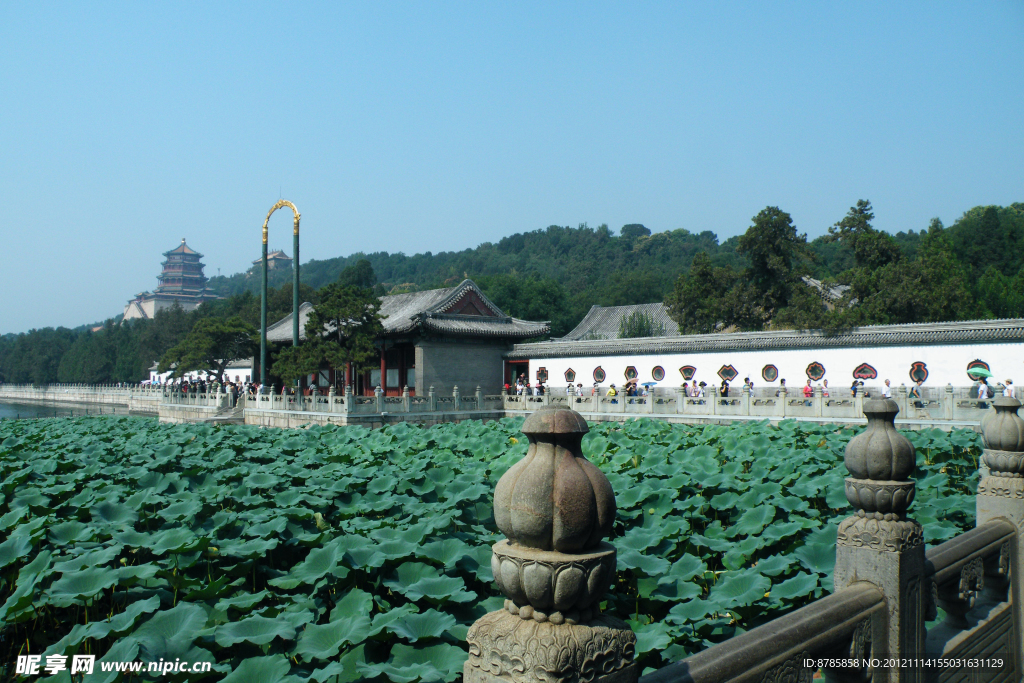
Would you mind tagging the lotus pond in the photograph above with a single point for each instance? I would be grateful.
(340, 554)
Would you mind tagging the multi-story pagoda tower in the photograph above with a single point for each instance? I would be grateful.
(182, 281)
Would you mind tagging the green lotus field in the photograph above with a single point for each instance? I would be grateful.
(340, 554)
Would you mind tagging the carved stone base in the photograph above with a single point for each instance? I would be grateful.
(1005, 463)
(869, 531)
(552, 585)
(1002, 487)
(506, 648)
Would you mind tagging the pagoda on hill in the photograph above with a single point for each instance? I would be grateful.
(182, 282)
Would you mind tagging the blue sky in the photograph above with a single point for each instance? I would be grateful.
(438, 126)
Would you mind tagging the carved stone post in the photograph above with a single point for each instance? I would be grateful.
(406, 399)
(331, 394)
(879, 544)
(1001, 495)
(554, 507)
(901, 400)
(712, 394)
(347, 405)
(456, 399)
(818, 399)
(432, 399)
(858, 401)
(781, 402)
(479, 398)
(947, 403)
(746, 399)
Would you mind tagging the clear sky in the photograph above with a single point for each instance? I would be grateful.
(437, 126)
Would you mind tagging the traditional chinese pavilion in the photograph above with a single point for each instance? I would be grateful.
(439, 338)
(182, 281)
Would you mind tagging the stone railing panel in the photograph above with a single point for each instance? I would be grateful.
(849, 624)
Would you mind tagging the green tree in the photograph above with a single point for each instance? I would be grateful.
(210, 345)
(871, 248)
(358, 275)
(341, 329)
(697, 303)
(934, 287)
(772, 247)
(640, 324)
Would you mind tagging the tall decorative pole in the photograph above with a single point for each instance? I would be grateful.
(295, 290)
(879, 543)
(555, 508)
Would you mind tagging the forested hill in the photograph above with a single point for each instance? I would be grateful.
(558, 273)
(972, 269)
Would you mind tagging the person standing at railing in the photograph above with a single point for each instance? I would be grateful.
(1008, 389)
(887, 390)
(613, 393)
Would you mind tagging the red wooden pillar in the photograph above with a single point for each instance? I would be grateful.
(401, 369)
(383, 369)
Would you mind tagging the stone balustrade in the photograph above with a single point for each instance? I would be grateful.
(136, 398)
(875, 626)
(946, 405)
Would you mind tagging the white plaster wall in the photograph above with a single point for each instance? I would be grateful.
(946, 365)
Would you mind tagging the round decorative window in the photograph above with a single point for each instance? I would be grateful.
(687, 371)
(977, 365)
(769, 373)
(658, 373)
(918, 371)
(815, 371)
(865, 371)
(599, 375)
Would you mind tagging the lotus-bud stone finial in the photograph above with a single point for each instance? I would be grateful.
(880, 461)
(880, 452)
(554, 498)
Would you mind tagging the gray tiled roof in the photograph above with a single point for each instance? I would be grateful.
(602, 322)
(963, 332)
(403, 313)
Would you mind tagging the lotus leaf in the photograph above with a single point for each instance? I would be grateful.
(345, 670)
(651, 636)
(441, 662)
(114, 514)
(650, 565)
(355, 602)
(416, 580)
(798, 586)
(739, 589)
(269, 669)
(170, 633)
(447, 551)
(412, 627)
(13, 549)
(193, 514)
(256, 629)
(70, 532)
(753, 520)
(324, 642)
